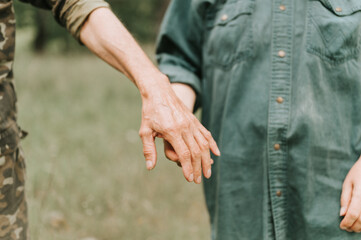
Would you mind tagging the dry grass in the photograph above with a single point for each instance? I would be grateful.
(86, 173)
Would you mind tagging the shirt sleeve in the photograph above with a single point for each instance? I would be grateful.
(71, 14)
(179, 51)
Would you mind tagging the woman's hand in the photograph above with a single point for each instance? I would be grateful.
(351, 200)
(164, 115)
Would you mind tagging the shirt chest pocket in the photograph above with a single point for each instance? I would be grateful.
(228, 38)
(334, 29)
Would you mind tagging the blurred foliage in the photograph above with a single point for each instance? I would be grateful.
(86, 171)
(141, 17)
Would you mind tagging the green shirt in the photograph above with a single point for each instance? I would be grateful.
(69, 13)
(279, 83)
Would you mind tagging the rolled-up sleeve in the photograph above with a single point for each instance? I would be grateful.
(179, 50)
(71, 14)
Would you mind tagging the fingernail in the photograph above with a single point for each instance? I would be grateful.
(199, 180)
(191, 177)
(149, 165)
(218, 152)
(342, 211)
(209, 173)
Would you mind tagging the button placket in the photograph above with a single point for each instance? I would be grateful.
(280, 89)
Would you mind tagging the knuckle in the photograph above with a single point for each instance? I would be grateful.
(147, 154)
(186, 154)
(184, 122)
(144, 132)
(168, 128)
(183, 125)
(353, 215)
(197, 154)
(147, 146)
(207, 134)
(204, 145)
(173, 130)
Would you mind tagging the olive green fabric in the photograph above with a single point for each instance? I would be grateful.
(70, 13)
(279, 83)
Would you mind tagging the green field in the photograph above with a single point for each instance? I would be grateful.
(86, 173)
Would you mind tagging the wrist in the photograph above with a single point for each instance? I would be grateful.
(186, 94)
(152, 84)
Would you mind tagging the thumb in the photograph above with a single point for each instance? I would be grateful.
(149, 148)
(345, 197)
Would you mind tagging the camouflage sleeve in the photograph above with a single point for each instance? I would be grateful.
(70, 13)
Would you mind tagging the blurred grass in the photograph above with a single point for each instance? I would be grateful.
(84, 157)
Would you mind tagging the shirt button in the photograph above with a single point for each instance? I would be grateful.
(282, 7)
(280, 100)
(338, 9)
(224, 17)
(278, 193)
(277, 147)
(282, 54)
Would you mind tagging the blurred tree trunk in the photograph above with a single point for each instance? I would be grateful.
(41, 33)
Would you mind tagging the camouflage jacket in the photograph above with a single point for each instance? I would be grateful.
(70, 14)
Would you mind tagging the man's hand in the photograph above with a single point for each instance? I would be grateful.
(201, 159)
(351, 200)
(165, 116)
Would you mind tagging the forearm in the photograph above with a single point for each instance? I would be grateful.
(186, 94)
(106, 36)
(163, 113)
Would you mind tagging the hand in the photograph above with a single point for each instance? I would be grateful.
(351, 200)
(172, 156)
(165, 116)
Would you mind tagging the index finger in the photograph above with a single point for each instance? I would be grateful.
(184, 155)
(354, 210)
(212, 143)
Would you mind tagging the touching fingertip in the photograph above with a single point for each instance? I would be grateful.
(218, 153)
(209, 173)
(343, 211)
(191, 178)
(199, 180)
(149, 165)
